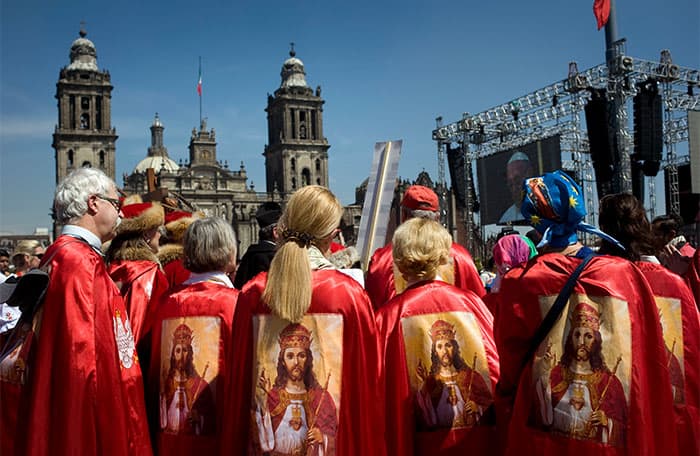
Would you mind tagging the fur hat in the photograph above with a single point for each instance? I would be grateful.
(177, 222)
(141, 217)
(420, 198)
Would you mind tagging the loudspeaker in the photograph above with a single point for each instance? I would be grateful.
(458, 174)
(638, 179)
(602, 150)
(648, 123)
(694, 149)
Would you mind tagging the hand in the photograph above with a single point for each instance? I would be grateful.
(470, 407)
(599, 418)
(314, 436)
(264, 383)
(264, 387)
(421, 372)
(549, 360)
(674, 260)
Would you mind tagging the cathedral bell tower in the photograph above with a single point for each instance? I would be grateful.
(84, 135)
(297, 152)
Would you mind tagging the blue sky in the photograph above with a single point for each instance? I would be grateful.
(387, 69)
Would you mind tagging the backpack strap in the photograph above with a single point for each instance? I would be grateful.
(554, 311)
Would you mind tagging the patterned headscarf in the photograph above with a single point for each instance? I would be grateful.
(554, 206)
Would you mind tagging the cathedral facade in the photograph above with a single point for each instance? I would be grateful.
(296, 154)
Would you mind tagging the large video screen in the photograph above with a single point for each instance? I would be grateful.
(501, 177)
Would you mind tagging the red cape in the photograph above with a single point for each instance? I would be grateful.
(650, 426)
(85, 392)
(379, 281)
(692, 276)
(196, 300)
(142, 285)
(361, 407)
(403, 425)
(176, 273)
(686, 380)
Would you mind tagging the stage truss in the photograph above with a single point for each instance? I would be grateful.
(558, 108)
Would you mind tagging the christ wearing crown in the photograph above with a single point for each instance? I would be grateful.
(580, 397)
(453, 394)
(295, 415)
(186, 402)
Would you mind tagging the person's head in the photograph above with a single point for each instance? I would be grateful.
(295, 361)
(181, 356)
(419, 202)
(210, 245)
(623, 217)
(138, 235)
(88, 198)
(419, 247)
(665, 228)
(584, 342)
(509, 252)
(267, 216)
(555, 207)
(310, 218)
(4, 261)
(445, 349)
(518, 169)
(27, 255)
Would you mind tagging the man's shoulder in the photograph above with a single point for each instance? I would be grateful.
(69, 248)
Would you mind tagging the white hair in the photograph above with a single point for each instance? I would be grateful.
(72, 193)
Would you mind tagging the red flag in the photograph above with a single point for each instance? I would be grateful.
(601, 10)
(199, 81)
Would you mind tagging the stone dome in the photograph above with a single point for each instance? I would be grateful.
(158, 163)
(83, 55)
(293, 74)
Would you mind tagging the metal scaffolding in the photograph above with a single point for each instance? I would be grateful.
(555, 110)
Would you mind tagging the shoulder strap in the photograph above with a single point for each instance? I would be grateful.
(555, 311)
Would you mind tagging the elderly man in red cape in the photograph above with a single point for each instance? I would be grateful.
(630, 331)
(296, 405)
(85, 393)
(383, 282)
(449, 408)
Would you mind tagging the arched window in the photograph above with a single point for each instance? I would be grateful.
(87, 164)
(318, 165)
(293, 164)
(70, 158)
(305, 177)
(102, 159)
(294, 183)
(318, 181)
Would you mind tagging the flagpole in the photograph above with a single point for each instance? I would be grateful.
(199, 90)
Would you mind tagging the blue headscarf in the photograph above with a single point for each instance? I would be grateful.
(554, 206)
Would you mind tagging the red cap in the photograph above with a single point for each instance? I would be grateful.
(176, 215)
(136, 209)
(420, 198)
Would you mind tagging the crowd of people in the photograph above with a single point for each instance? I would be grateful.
(144, 336)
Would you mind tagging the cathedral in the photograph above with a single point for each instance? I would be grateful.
(296, 154)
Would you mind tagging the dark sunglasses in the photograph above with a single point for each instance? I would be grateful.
(113, 201)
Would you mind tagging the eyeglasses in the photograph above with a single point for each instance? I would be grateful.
(39, 255)
(113, 201)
